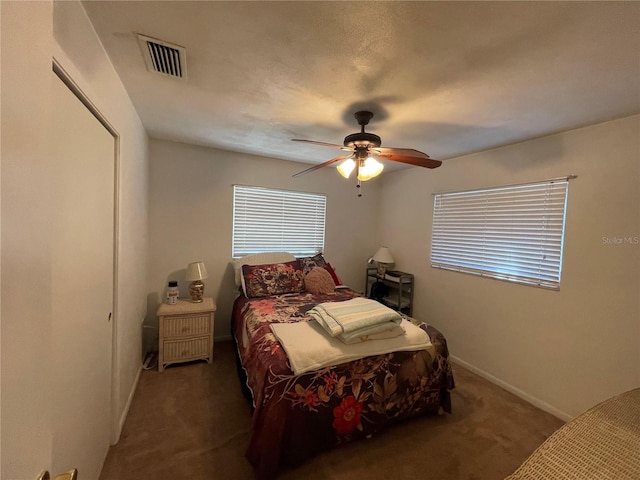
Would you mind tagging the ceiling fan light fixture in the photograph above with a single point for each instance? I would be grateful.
(346, 167)
(370, 168)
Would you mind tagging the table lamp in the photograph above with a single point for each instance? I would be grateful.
(383, 258)
(196, 272)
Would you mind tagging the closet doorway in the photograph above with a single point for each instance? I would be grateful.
(84, 152)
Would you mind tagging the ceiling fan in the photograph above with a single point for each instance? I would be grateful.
(365, 150)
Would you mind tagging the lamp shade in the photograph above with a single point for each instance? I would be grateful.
(346, 167)
(196, 271)
(383, 255)
(369, 169)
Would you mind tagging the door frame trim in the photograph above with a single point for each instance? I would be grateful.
(66, 78)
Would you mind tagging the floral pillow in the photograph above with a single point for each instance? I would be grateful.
(307, 263)
(272, 279)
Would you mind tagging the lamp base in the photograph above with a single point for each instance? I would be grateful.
(196, 290)
(382, 269)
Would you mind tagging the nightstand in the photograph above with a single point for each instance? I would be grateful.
(185, 332)
(400, 289)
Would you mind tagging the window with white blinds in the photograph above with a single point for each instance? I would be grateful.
(267, 220)
(512, 233)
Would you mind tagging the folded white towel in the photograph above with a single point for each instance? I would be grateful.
(351, 315)
(374, 332)
(309, 347)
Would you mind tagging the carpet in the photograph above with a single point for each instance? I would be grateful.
(191, 422)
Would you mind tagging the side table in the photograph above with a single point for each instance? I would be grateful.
(185, 332)
(400, 285)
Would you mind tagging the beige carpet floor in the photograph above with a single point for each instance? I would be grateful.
(191, 422)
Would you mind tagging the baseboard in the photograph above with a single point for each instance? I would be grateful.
(125, 411)
(536, 402)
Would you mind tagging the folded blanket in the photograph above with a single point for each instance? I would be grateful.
(374, 332)
(343, 318)
(309, 347)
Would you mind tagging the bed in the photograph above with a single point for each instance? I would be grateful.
(296, 416)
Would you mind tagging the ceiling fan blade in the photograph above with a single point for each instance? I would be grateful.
(325, 164)
(407, 152)
(411, 160)
(323, 144)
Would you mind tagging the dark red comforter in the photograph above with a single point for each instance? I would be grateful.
(297, 416)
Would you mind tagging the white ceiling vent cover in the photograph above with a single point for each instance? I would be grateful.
(163, 57)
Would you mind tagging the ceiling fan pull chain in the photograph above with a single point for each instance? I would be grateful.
(359, 187)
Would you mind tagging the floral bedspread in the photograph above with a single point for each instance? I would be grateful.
(298, 416)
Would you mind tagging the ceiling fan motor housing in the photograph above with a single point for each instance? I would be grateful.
(362, 139)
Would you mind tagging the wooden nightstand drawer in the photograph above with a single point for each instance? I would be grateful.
(185, 350)
(186, 326)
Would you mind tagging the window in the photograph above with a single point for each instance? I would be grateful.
(266, 220)
(512, 233)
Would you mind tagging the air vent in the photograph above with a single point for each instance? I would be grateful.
(163, 57)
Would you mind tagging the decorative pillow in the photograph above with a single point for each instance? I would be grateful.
(307, 263)
(272, 279)
(333, 274)
(319, 280)
(259, 259)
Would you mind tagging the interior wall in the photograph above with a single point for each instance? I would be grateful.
(28, 46)
(81, 54)
(191, 218)
(25, 321)
(561, 350)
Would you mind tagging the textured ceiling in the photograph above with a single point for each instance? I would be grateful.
(446, 78)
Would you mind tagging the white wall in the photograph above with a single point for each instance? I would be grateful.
(566, 350)
(25, 322)
(28, 46)
(191, 215)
